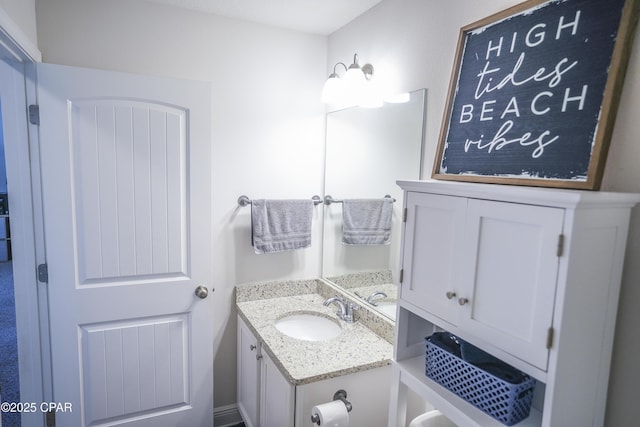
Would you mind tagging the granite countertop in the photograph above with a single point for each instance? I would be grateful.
(356, 349)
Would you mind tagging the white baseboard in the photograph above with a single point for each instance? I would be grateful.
(226, 416)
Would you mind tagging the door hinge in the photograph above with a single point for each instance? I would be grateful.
(401, 275)
(404, 215)
(34, 114)
(549, 338)
(560, 244)
(51, 418)
(43, 273)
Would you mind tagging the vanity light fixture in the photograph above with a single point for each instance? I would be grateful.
(356, 88)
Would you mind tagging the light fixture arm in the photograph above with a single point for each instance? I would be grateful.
(367, 69)
(355, 62)
(335, 88)
(335, 73)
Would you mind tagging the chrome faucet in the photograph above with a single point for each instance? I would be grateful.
(345, 308)
(373, 295)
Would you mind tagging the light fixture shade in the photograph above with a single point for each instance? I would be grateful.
(354, 75)
(355, 81)
(370, 96)
(353, 88)
(333, 90)
(398, 98)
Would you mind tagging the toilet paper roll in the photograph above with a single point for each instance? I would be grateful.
(332, 414)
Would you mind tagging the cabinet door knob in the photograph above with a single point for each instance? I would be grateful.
(451, 295)
(463, 301)
(258, 357)
(252, 347)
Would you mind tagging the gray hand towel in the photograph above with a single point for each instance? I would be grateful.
(367, 221)
(281, 225)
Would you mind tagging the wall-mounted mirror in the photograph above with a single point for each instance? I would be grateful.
(367, 150)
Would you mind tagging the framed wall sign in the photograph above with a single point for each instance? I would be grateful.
(534, 93)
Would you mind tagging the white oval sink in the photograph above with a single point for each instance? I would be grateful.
(308, 327)
(388, 309)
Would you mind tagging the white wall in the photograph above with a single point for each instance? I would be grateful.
(23, 14)
(412, 44)
(268, 122)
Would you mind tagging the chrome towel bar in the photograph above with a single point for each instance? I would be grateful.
(244, 200)
(329, 200)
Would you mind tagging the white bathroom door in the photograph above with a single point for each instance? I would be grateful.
(126, 184)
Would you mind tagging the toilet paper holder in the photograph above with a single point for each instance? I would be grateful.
(338, 395)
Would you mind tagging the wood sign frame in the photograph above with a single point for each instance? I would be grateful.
(534, 93)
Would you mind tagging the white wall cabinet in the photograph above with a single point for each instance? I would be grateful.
(530, 275)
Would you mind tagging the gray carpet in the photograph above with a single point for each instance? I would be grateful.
(9, 382)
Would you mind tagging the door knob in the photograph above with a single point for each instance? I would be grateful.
(202, 292)
(463, 301)
(451, 295)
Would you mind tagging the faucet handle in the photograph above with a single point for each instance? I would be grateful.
(350, 316)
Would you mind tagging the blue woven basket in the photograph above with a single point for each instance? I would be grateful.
(506, 402)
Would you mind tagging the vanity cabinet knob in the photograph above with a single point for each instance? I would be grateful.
(451, 295)
(252, 347)
(463, 301)
(258, 357)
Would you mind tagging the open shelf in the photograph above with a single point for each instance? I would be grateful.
(412, 373)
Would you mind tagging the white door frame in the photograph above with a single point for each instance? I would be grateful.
(19, 91)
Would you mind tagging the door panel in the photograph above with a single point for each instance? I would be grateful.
(511, 285)
(126, 176)
(248, 375)
(134, 366)
(277, 396)
(434, 237)
(130, 189)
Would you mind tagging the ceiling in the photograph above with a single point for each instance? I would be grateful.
(311, 16)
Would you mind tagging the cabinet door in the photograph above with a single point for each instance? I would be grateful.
(277, 397)
(248, 375)
(510, 276)
(433, 234)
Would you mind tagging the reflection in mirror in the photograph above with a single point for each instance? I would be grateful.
(367, 150)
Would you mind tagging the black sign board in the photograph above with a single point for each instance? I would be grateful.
(534, 92)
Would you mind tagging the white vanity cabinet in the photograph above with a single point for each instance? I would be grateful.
(265, 398)
(248, 374)
(530, 275)
(276, 396)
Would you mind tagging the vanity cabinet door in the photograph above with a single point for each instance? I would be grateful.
(433, 240)
(508, 285)
(248, 375)
(277, 397)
